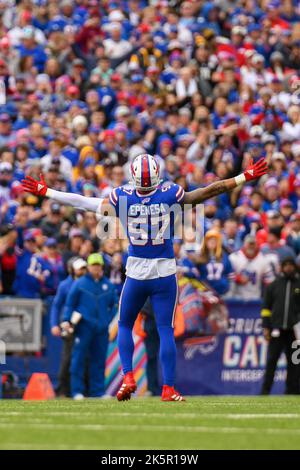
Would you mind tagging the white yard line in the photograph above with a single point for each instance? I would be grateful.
(34, 446)
(199, 415)
(262, 416)
(154, 428)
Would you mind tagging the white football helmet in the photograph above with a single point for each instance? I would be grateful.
(145, 172)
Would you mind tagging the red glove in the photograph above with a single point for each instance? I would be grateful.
(255, 170)
(39, 188)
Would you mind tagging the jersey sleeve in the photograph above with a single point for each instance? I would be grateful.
(175, 193)
(114, 197)
(179, 193)
(118, 199)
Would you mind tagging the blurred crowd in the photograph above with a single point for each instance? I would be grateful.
(85, 86)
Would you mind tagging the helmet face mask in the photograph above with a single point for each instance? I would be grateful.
(145, 173)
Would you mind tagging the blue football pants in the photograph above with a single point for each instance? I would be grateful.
(163, 294)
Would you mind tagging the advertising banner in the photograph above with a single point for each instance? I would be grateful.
(230, 363)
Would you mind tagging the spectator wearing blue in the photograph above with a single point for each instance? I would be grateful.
(93, 299)
(76, 269)
(275, 247)
(187, 265)
(293, 238)
(232, 236)
(215, 267)
(29, 47)
(27, 283)
(7, 135)
(52, 267)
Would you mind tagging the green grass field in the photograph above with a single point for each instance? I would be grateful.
(200, 423)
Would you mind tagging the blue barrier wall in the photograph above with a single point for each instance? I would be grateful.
(231, 363)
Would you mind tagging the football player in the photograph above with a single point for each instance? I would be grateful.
(144, 208)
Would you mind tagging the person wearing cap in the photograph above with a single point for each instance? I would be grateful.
(109, 149)
(256, 72)
(89, 175)
(29, 47)
(293, 238)
(154, 86)
(76, 268)
(52, 223)
(76, 239)
(147, 54)
(7, 135)
(116, 48)
(280, 313)
(23, 20)
(186, 85)
(279, 165)
(52, 267)
(205, 67)
(252, 271)
(55, 157)
(79, 125)
(232, 235)
(272, 195)
(210, 212)
(286, 209)
(275, 247)
(291, 128)
(27, 283)
(93, 298)
(6, 179)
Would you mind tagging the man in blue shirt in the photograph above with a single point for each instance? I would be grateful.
(27, 283)
(93, 299)
(29, 47)
(76, 269)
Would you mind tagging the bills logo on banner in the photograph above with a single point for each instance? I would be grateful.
(205, 345)
(232, 362)
(211, 358)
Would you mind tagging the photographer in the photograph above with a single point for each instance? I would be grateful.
(280, 314)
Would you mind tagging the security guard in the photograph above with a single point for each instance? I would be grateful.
(280, 314)
(92, 300)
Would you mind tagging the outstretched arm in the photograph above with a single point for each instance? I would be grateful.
(252, 172)
(40, 188)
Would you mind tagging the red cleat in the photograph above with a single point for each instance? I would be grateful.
(170, 394)
(127, 388)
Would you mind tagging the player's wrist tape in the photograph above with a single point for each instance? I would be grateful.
(240, 179)
(49, 192)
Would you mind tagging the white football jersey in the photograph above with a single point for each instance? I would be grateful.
(259, 270)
